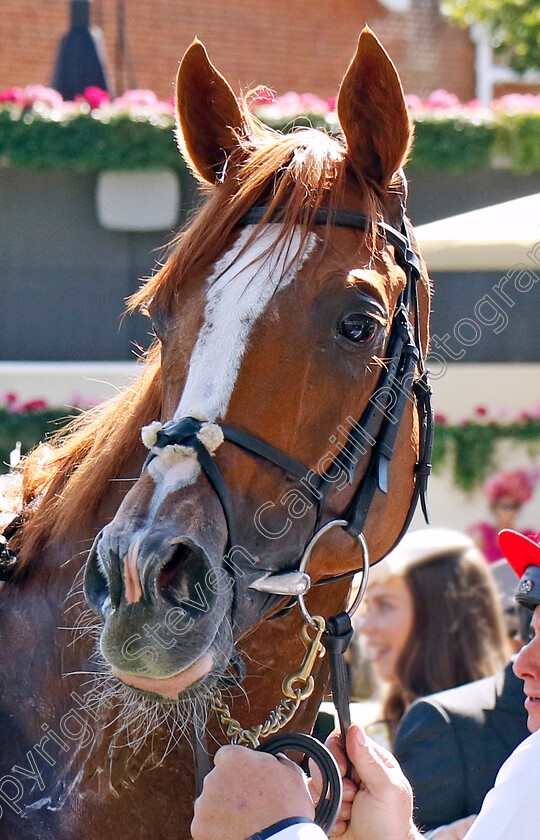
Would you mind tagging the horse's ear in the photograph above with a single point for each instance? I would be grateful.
(209, 121)
(373, 113)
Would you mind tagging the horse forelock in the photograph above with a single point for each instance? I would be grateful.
(294, 174)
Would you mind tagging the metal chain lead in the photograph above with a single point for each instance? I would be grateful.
(287, 706)
(278, 717)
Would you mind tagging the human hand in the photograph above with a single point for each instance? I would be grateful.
(246, 792)
(380, 805)
(454, 831)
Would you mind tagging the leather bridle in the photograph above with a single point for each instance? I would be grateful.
(403, 377)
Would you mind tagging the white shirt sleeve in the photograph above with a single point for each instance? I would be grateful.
(294, 828)
(511, 809)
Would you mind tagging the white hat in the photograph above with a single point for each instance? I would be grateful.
(417, 546)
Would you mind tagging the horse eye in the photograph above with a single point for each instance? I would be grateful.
(358, 328)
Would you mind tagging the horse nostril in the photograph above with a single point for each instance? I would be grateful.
(183, 578)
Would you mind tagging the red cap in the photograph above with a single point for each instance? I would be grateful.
(519, 550)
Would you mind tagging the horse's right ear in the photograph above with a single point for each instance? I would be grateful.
(209, 121)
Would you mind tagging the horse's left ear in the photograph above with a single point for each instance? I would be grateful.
(209, 121)
(373, 113)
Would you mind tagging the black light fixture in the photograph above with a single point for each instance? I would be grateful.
(80, 61)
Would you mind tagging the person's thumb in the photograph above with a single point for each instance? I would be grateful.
(375, 765)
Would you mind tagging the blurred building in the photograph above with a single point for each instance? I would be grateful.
(300, 45)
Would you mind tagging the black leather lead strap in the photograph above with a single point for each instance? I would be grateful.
(329, 803)
(336, 639)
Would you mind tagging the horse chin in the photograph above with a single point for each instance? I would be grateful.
(169, 688)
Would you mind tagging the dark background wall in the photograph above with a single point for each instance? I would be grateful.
(64, 279)
(454, 298)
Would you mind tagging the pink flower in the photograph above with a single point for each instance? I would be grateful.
(312, 104)
(535, 412)
(39, 93)
(413, 101)
(331, 103)
(164, 108)
(95, 97)
(14, 407)
(133, 98)
(261, 96)
(299, 103)
(440, 418)
(289, 102)
(442, 99)
(517, 102)
(8, 398)
(480, 411)
(13, 94)
(34, 405)
(78, 400)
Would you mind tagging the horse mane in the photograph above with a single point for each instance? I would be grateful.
(66, 479)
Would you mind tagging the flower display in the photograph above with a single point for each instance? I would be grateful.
(135, 130)
(93, 99)
(263, 103)
(469, 446)
(287, 104)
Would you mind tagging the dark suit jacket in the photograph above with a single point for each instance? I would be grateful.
(452, 744)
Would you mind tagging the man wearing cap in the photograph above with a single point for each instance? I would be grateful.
(273, 804)
(511, 809)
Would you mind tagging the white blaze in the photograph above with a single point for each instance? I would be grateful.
(239, 289)
(169, 479)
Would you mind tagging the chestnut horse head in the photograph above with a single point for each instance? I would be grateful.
(275, 318)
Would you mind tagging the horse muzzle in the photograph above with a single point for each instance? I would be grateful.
(165, 604)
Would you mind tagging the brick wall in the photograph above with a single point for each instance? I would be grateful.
(301, 45)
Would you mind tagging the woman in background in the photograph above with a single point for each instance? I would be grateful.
(432, 621)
